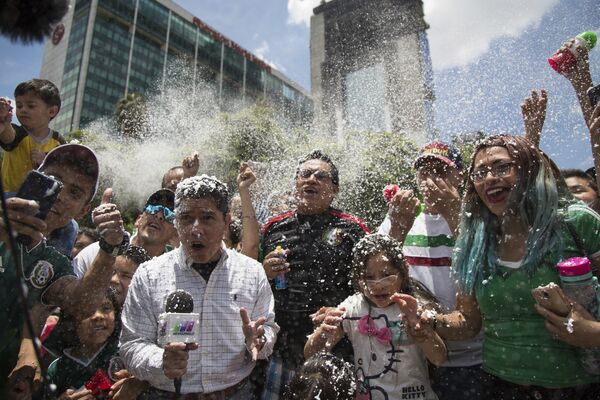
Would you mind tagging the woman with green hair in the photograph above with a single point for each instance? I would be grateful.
(518, 220)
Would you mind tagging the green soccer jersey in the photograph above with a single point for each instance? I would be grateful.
(42, 266)
(517, 347)
(69, 372)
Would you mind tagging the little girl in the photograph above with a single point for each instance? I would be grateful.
(390, 360)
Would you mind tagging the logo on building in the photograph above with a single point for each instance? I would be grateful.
(58, 34)
(184, 328)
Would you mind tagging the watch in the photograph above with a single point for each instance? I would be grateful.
(115, 250)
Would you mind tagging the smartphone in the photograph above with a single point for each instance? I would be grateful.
(552, 298)
(594, 95)
(43, 189)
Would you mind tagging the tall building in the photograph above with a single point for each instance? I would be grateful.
(105, 49)
(371, 67)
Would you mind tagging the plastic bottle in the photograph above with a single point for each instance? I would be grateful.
(580, 285)
(280, 278)
(564, 61)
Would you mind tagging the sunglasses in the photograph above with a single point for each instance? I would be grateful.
(155, 209)
(388, 280)
(321, 175)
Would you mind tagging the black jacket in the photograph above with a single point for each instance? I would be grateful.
(320, 261)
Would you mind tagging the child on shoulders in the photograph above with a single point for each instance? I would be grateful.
(37, 103)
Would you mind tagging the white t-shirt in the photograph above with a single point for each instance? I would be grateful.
(393, 370)
(84, 259)
(428, 251)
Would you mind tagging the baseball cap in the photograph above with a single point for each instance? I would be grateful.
(162, 197)
(80, 156)
(446, 152)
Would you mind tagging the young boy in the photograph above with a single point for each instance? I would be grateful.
(25, 146)
(49, 274)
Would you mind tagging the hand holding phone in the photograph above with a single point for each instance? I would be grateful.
(42, 189)
(552, 298)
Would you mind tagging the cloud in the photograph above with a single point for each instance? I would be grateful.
(462, 30)
(300, 11)
(261, 52)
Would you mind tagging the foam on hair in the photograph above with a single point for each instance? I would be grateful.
(198, 187)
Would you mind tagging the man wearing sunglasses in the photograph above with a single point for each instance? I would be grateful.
(154, 226)
(311, 247)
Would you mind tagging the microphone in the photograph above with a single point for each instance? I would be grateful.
(178, 324)
(30, 20)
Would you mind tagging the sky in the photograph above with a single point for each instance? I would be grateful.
(487, 56)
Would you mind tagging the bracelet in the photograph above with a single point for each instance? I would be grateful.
(115, 250)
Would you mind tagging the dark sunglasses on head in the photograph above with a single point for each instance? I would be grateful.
(155, 209)
(321, 175)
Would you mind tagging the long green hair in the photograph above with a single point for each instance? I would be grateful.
(537, 198)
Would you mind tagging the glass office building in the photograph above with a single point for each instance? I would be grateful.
(105, 49)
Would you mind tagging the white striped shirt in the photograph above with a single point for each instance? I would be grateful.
(428, 251)
(221, 360)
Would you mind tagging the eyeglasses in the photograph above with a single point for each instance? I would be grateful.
(388, 280)
(155, 209)
(321, 175)
(497, 171)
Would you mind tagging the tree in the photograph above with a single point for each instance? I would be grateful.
(131, 115)
(80, 136)
(251, 134)
(385, 158)
(466, 143)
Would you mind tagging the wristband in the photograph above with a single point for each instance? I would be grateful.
(115, 250)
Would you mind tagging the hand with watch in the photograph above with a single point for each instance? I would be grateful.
(107, 218)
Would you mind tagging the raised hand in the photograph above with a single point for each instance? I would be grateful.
(7, 133)
(403, 210)
(191, 165)
(246, 176)
(6, 112)
(581, 69)
(108, 221)
(254, 332)
(533, 110)
(24, 380)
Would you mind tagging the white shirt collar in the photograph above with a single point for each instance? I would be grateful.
(185, 261)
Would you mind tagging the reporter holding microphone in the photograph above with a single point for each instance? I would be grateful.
(229, 295)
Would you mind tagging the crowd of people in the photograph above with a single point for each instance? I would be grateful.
(437, 304)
